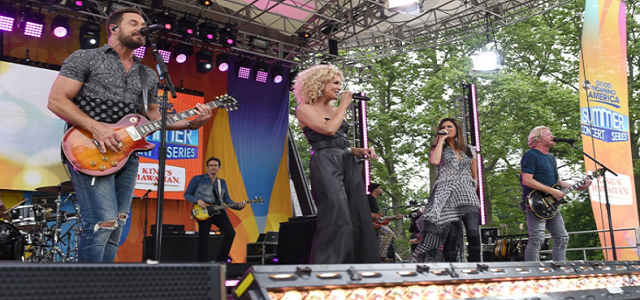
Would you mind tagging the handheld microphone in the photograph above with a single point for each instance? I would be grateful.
(442, 132)
(150, 29)
(570, 141)
(361, 96)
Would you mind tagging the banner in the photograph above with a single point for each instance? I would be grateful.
(604, 115)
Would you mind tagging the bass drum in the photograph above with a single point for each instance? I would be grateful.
(11, 242)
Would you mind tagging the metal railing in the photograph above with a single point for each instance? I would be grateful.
(585, 249)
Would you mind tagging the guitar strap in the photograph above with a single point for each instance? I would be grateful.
(555, 167)
(219, 191)
(145, 90)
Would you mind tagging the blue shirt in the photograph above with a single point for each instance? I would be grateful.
(541, 166)
(202, 187)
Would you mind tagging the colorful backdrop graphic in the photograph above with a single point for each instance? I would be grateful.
(250, 141)
(604, 111)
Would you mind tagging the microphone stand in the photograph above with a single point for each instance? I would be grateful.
(146, 214)
(162, 151)
(606, 197)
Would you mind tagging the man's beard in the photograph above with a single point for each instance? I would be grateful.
(131, 43)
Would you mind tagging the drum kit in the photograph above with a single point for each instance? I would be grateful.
(41, 231)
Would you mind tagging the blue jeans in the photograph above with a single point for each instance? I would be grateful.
(536, 228)
(103, 200)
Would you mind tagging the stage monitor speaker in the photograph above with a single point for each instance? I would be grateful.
(181, 248)
(333, 47)
(512, 280)
(112, 281)
(294, 240)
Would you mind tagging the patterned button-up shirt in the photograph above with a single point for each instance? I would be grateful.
(108, 92)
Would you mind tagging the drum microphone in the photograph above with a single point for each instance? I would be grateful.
(570, 141)
(150, 29)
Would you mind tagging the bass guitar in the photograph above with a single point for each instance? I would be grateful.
(210, 210)
(83, 152)
(544, 206)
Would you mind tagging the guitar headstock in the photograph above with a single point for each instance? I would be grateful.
(257, 200)
(227, 102)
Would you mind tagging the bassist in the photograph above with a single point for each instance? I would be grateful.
(540, 172)
(209, 189)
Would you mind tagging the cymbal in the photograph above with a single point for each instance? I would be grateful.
(62, 188)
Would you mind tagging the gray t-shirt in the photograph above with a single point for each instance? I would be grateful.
(108, 92)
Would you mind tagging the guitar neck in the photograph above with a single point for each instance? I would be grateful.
(575, 186)
(150, 127)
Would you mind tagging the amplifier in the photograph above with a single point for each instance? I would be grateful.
(168, 229)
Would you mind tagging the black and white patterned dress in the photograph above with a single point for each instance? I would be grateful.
(452, 197)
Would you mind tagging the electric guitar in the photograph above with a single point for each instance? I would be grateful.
(377, 223)
(210, 210)
(83, 152)
(544, 206)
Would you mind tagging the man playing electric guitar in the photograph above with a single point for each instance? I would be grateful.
(100, 86)
(384, 233)
(209, 189)
(539, 172)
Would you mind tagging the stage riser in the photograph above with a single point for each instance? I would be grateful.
(111, 281)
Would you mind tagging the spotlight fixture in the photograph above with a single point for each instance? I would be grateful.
(76, 4)
(207, 32)
(32, 23)
(206, 3)
(261, 71)
(259, 43)
(181, 52)
(222, 61)
(187, 26)
(7, 17)
(60, 26)
(90, 35)
(405, 6)
(304, 36)
(167, 19)
(227, 35)
(243, 68)
(164, 48)
(204, 61)
(277, 73)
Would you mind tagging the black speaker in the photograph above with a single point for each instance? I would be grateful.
(333, 47)
(180, 248)
(112, 281)
(294, 240)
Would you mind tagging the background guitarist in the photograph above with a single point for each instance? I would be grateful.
(384, 233)
(98, 86)
(540, 172)
(209, 189)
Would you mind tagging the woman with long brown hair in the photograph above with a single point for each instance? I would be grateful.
(453, 199)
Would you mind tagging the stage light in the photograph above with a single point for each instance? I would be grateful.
(32, 23)
(405, 6)
(259, 43)
(164, 48)
(277, 73)
(243, 68)
(181, 52)
(76, 4)
(206, 3)
(304, 36)
(167, 19)
(204, 61)
(227, 35)
(187, 26)
(488, 60)
(7, 17)
(140, 52)
(207, 32)
(261, 71)
(60, 26)
(222, 61)
(90, 35)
